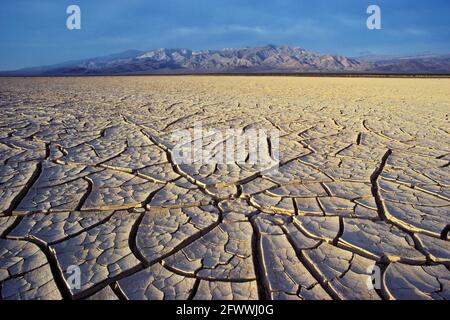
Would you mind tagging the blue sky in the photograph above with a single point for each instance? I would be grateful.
(33, 32)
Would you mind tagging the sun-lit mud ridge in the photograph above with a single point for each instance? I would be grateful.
(87, 179)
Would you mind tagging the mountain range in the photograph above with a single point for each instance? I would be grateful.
(262, 59)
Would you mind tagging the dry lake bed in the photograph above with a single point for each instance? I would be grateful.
(95, 205)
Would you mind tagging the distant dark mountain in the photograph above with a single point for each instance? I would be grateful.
(264, 59)
(414, 64)
(371, 57)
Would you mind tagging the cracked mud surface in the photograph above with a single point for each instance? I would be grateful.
(88, 179)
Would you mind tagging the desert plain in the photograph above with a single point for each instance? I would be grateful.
(89, 187)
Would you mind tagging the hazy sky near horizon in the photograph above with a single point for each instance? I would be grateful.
(34, 33)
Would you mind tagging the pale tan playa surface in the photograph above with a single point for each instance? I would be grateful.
(87, 179)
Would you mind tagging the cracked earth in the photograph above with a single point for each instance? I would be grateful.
(87, 179)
